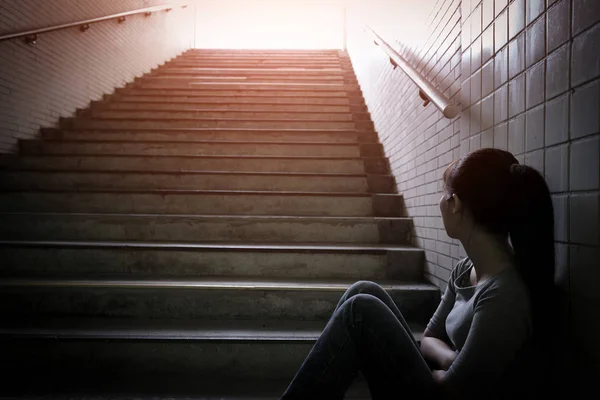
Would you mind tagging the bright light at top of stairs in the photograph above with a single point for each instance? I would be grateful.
(270, 24)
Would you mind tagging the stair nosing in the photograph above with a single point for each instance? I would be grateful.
(319, 247)
(162, 119)
(227, 95)
(127, 101)
(222, 110)
(216, 216)
(252, 63)
(218, 130)
(178, 142)
(298, 84)
(206, 284)
(124, 92)
(194, 192)
(172, 330)
(261, 88)
(191, 172)
(196, 156)
(168, 68)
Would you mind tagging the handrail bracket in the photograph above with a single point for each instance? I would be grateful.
(427, 91)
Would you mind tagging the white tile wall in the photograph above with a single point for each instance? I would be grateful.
(546, 110)
(67, 69)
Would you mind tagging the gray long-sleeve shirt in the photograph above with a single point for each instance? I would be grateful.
(488, 324)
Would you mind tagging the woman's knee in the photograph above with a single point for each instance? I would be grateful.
(364, 306)
(367, 287)
(371, 311)
(366, 301)
(360, 287)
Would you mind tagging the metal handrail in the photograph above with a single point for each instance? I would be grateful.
(85, 24)
(427, 91)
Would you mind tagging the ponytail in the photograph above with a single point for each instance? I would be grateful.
(531, 229)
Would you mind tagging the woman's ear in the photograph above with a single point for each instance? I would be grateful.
(456, 205)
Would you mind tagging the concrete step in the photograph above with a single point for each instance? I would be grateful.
(253, 71)
(123, 124)
(262, 81)
(246, 63)
(324, 69)
(267, 52)
(248, 77)
(270, 96)
(148, 260)
(228, 148)
(264, 52)
(262, 60)
(292, 57)
(266, 60)
(201, 331)
(199, 298)
(205, 203)
(264, 57)
(109, 385)
(307, 88)
(219, 135)
(226, 114)
(78, 162)
(194, 180)
(159, 105)
(216, 97)
(255, 89)
(209, 228)
(127, 354)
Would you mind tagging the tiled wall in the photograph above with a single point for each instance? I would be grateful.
(67, 69)
(418, 140)
(527, 74)
(530, 75)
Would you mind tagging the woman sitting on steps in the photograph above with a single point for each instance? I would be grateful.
(494, 317)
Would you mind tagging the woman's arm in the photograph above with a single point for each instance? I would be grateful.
(437, 351)
(435, 343)
(500, 327)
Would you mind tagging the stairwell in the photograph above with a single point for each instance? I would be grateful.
(192, 232)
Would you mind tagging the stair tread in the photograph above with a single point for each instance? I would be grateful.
(193, 156)
(251, 69)
(192, 172)
(195, 192)
(210, 283)
(283, 130)
(215, 142)
(192, 93)
(220, 110)
(182, 330)
(198, 82)
(299, 218)
(258, 246)
(175, 118)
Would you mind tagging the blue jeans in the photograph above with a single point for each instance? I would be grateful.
(366, 333)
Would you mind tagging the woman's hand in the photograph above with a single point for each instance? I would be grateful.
(438, 375)
(438, 352)
(449, 357)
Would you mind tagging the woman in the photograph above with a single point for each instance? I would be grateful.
(494, 317)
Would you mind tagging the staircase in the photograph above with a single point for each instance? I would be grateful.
(192, 232)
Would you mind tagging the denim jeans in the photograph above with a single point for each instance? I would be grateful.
(366, 333)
